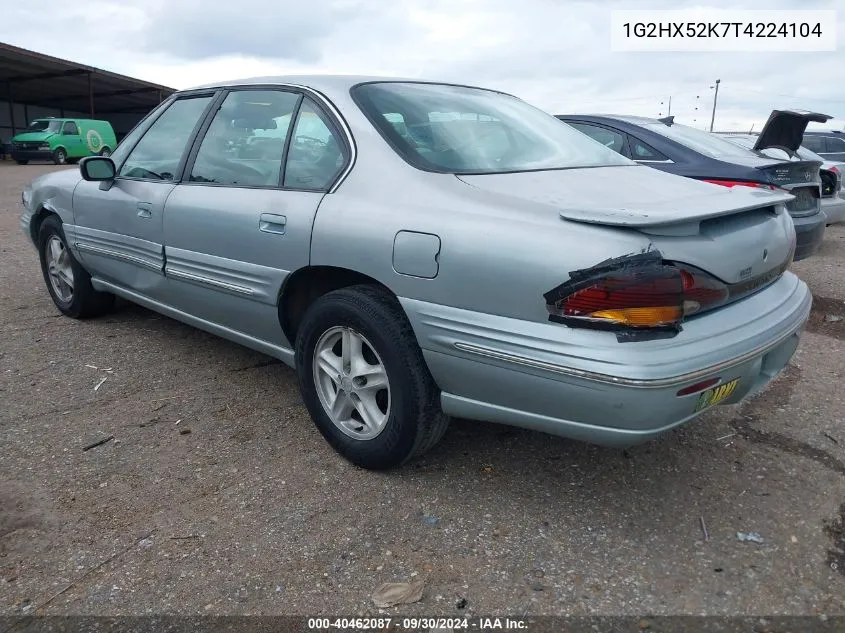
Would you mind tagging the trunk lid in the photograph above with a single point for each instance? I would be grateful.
(802, 179)
(737, 234)
(785, 129)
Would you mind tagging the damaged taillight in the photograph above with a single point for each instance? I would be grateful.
(636, 291)
(701, 291)
(638, 297)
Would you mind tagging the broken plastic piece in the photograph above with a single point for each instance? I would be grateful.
(751, 537)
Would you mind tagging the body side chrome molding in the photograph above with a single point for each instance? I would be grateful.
(641, 383)
(107, 252)
(178, 274)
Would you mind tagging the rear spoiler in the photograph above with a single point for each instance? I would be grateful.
(785, 129)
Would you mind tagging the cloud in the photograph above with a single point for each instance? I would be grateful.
(552, 53)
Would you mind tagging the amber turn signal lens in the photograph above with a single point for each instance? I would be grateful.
(653, 316)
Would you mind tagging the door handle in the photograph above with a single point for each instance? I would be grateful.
(145, 210)
(272, 223)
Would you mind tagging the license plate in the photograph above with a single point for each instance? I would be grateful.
(804, 200)
(716, 394)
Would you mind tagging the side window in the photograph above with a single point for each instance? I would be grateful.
(316, 154)
(643, 151)
(157, 154)
(246, 140)
(397, 121)
(835, 144)
(813, 143)
(608, 138)
(128, 141)
(70, 129)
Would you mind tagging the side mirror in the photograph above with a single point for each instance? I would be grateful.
(97, 168)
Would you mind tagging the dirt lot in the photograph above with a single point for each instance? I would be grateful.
(218, 495)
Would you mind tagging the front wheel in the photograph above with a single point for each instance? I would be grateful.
(364, 380)
(60, 156)
(68, 283)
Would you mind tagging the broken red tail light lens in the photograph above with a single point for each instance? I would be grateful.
(701, 291)
(738, 183)
(650, 297)
(658, 296)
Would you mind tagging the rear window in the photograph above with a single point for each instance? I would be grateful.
(698, 140)
(462, 130)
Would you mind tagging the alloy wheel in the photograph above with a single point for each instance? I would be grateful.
(351, 382)
(59, 268)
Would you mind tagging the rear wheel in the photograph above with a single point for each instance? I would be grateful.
(105, 152)
(364, 380)
(68, 283)
(60, 156)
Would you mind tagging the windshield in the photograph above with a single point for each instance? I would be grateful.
(42, 125)
(698, 140)
(460, 130)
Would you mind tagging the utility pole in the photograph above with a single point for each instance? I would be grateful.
(670, 107)
(715, 98)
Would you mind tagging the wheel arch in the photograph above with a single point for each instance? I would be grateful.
(42, 213)
(305, 285)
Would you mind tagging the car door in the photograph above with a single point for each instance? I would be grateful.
(118, 229)
(71, 140)
(240, 220)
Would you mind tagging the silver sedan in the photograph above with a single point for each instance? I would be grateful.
(419, 250)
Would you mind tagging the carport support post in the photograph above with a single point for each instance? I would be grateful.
(90, 98)
(11, 107)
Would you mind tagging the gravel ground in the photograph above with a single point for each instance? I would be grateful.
(218, 495)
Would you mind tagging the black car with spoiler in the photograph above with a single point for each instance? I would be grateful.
(686, 151)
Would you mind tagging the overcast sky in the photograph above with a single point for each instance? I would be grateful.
(553, 53)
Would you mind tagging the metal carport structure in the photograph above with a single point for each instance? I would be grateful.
(37, 85)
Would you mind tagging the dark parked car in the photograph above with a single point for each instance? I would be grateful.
(685, 151)
(827, 144)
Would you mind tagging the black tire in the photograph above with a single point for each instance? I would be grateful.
(60, 156)
(22, 162)
(415, 421)
(84, 302)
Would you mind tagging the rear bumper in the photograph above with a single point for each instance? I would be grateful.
(809, 233)
(32, 154)
(585, 385)
(834, 209)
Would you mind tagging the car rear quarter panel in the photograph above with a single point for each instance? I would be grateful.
(494, 258)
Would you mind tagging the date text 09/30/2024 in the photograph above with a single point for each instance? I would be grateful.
(417, 624)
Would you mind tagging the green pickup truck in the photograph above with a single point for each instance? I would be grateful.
(63, 140)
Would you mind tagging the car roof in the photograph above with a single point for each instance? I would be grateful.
(325, 83)
(636, 120)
